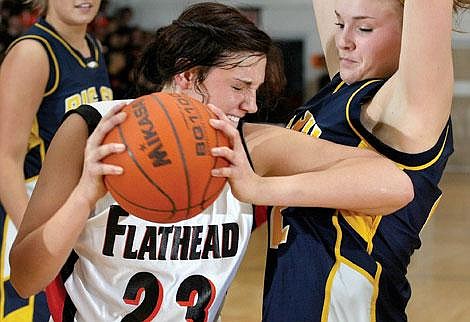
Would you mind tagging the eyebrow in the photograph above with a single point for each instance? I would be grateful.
(247, 82)
(356, 17)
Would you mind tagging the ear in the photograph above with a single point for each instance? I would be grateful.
(186, 79)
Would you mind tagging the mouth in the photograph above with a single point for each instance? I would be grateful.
(234, 119)
(347, 60)
(86, 5)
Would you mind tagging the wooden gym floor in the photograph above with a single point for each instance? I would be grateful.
(439, 272)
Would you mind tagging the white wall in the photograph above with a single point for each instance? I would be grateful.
(462, 23)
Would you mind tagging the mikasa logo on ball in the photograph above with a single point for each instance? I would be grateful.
(167, 164)
(158, 155)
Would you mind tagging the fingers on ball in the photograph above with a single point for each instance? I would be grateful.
(221, 172)
(107, 149)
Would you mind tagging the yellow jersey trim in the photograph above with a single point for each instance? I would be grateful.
(66, 45)
(338, 87)
(375, 295)
(365, 226)
(24, 313)
(340, 259)
(433, 209)
(402, 166)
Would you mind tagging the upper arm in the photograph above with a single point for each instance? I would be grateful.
(23, 78)
(279, 151)
(418, 98)
(59, 175)
(325, 18)
(425, 74)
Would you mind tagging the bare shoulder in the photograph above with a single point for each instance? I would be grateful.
(26, 67)
(26, 51)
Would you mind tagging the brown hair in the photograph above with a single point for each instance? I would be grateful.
(208, 35)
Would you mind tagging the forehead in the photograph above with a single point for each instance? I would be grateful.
(247, 67)
(243, 60)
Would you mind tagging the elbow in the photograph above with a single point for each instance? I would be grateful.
(403, 193)
(21, 285)
(20, 288)
(407, 192)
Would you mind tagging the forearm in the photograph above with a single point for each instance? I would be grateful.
(348, 185)
(13, 195)
(47, 247)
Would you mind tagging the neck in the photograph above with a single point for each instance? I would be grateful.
(73, 34)
(171, 88)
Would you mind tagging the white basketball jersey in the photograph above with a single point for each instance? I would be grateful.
(130, 269)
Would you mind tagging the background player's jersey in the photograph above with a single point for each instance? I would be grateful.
(327, 265)
(125, 268)
(13, 308)
(73, 80)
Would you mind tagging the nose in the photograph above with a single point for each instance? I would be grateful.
(249, 103)
(345, 40)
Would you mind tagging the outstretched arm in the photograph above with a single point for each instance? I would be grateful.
(293, 169)
(425, 74)
(69, 185)
(415, 102)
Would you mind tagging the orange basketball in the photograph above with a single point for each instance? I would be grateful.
(167, 163)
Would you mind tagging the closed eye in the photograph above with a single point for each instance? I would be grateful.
(340, 25)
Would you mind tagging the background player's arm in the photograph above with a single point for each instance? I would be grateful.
(297, 170)
(23, 77)
(69, 185)
(325, 20)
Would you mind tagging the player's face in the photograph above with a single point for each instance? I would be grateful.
(368, 38)
(73, 12)
(233, 88)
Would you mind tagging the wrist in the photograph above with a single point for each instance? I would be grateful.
(79, 198)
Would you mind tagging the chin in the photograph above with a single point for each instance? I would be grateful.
(349, 77)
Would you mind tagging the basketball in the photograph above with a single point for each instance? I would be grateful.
(167, 163)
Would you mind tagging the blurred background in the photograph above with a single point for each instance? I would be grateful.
(438, 273)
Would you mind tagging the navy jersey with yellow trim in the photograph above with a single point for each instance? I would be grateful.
(324, 265)
(73, 80)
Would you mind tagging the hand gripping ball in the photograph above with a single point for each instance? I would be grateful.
(167, 163)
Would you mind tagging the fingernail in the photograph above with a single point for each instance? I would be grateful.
(119, 147)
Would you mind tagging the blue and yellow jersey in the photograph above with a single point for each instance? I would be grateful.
(328, 265)
(73, 80)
